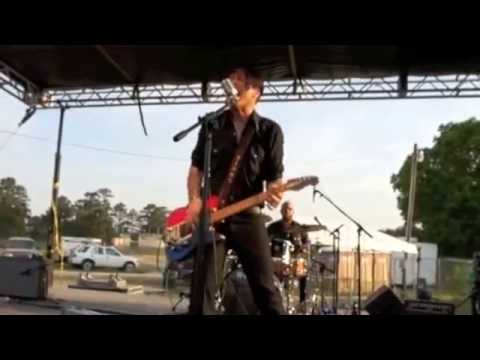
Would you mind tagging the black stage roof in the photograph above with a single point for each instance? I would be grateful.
(67, 67)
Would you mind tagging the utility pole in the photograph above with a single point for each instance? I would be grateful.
(54, 244)
(411, 208)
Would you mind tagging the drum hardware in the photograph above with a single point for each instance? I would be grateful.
(183, 296)
(281, 250)
(235, 295)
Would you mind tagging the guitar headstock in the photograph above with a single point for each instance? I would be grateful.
(301, 183)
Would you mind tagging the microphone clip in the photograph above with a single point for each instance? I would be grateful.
(28, 114)
(316, 192)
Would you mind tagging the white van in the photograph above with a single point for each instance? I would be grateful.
(71, 242)
(20, 246)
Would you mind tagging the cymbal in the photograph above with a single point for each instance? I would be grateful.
(319, 246)
(306, 228)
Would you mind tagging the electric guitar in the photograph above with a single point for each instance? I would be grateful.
(178, 231)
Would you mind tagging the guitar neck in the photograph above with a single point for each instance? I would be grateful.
(238, 207)
(292, 184)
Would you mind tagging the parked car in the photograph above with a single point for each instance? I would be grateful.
(20, 247)
(90, 256)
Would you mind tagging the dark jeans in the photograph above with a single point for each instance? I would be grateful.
(246, 235)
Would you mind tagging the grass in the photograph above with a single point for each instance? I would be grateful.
(139, 251)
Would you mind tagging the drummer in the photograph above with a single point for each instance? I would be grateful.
(287, 229)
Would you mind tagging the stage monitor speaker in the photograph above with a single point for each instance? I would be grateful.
(24, 277)
(384, 302)
(417, 307)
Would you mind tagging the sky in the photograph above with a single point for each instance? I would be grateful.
(352, 146)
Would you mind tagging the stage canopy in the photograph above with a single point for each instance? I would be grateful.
(77, 76)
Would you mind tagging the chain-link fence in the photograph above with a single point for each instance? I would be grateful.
(455, 278)
(446, 279)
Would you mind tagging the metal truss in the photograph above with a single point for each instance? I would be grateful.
(18, 86)
(411, 87)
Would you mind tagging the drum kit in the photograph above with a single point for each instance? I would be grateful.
(291, 263)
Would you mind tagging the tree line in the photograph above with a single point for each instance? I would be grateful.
(91, 216)
(447, 202)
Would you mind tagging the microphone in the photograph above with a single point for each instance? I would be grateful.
(230, 91)
(231, 98)
(337, 230)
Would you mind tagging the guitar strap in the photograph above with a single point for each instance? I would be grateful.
(227, 184)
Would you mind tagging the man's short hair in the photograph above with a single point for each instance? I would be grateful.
(254, 79)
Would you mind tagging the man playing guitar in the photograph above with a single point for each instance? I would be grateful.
(262, 162)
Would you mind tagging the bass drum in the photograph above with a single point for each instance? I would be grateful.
(237, 296)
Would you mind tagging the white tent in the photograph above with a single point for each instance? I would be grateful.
(380, 243)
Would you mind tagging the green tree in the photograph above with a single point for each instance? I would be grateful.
(119, 214)
(133, 215)
(447, 206)
(154, 217)
(66, 210)
(93, 216)
(120, 211)
(14, 208)
(38, 225)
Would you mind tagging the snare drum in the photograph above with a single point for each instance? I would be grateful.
(281, 257)
(277, 247)
(280, 268)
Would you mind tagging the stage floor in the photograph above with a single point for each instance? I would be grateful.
(151, 302)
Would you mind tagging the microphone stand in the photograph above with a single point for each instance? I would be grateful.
(360, 229)
(336, 262)
(335, 255)
(206, 119)
(202, 233)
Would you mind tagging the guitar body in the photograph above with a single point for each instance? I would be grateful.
(178, 234)
(184, 249)
(179, 216)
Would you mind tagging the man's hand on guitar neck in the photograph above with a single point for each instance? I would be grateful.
(274, 193)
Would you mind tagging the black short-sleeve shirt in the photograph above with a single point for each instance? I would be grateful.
(263, 161)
